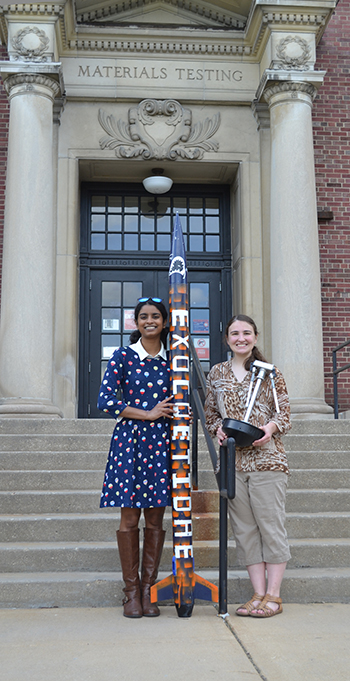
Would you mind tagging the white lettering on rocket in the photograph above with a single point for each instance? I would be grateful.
(186, 524)
(186, 551)
(181, 315)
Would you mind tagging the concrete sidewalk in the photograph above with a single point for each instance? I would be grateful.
(306, 643)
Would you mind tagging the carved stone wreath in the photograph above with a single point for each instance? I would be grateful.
(293, 61)
(159, 129)
(30, 53)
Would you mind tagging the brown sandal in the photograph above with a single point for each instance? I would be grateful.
(267, 611)
(249, 605)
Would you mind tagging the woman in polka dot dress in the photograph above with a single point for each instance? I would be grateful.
(135, 391)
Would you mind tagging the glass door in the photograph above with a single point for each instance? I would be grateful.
(124, 254)
(112, 300)
(113, 296)
(206, 314)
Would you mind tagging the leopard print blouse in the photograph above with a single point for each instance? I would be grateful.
(226, 398)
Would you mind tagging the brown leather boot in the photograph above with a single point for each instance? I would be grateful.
(153, 541)
(129, 551)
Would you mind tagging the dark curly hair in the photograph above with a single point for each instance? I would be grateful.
(135, 335)
(256, 354)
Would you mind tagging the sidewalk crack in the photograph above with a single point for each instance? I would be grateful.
(247, 653)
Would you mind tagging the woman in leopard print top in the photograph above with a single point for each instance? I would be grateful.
(258, 511)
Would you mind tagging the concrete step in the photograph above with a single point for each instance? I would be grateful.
(61, 501)
(47, 461)
(50, 480)
(92, 442)
(317, 501)
(91, 556)
(104, 556)
(82, 459)
(299, 459)
(322, 426)
(99, 441)
(102, 525)
(316, 441)
(326, 477)
(304, 478)
(52, 470)
(12, 480)
(319, 459)
(311, 553)
(105, 589)
(72, 501)
(318, 525)
(105, 424)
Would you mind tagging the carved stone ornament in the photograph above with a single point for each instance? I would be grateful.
(31, 82)
(30, 43)
(159, 129)
(290, 89)
(293, 53)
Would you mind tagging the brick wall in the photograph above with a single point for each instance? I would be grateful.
(4, 123)
(331, 116)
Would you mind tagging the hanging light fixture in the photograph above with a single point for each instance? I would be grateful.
(157, 183)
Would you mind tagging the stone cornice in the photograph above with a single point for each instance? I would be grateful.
(161, 46)
(262, 22)
(42, 9)
(200, 10)
(111, 39)
(33, 12)
(247, 43)
(285, 79)
(31, 80)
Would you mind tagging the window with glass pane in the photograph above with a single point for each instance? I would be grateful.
(200, 321)
(115, 204)
(118, 300)
(132, 223)
(132, 290)
(98, 204)
(199, 295)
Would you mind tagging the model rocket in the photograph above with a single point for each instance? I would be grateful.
(183, 584)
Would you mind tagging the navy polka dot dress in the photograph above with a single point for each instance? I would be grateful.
(138, 467)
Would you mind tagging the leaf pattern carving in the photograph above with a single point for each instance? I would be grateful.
(131, 139)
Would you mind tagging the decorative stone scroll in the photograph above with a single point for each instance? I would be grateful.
(293, 52)
(30, 44)
(159, 129)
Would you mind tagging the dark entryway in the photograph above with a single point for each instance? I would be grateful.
(125, 246)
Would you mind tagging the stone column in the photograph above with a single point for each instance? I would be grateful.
(26, 325)
(297, 347)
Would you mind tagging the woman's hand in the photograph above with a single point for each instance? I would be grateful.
(269, 430)
(221, 436)
(161, 409)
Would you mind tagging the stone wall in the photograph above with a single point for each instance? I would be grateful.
(331, 120)
(4, 122)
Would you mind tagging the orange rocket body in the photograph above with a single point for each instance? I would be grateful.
(183, 584)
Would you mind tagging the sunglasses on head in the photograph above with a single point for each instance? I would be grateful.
(145, 300)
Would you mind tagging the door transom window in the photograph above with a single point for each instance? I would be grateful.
(144, 223)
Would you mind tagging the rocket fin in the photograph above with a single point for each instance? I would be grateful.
(205, 590)
(163, 590)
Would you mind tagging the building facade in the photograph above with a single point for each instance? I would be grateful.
(222, 97)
